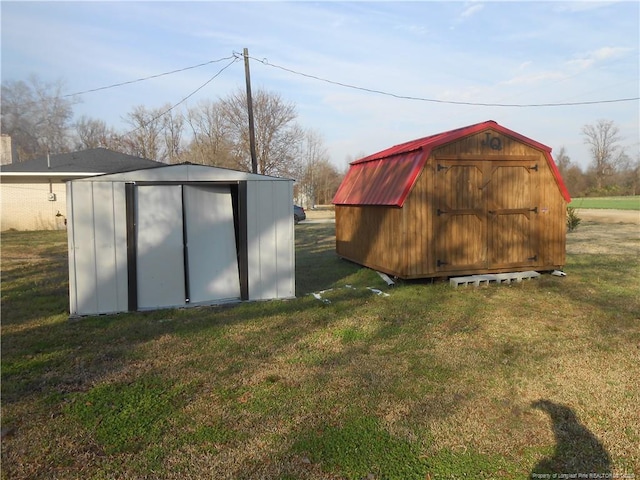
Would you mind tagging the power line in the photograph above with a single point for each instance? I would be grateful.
(149, 77)
(233, 60)
(264, 61)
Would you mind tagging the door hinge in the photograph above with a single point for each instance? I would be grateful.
(535, 167)
(440, 263)
(442, 167)
(440, 212)
(534, 258)
(534, 209)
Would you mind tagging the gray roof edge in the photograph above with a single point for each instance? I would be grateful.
(95, 160)
(246, 176)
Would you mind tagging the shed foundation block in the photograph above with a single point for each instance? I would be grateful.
(477, 280)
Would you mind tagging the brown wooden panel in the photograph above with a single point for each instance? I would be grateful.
(512, 209)
(460, 243)
(460, 216)
(510, 241)
(413, 243)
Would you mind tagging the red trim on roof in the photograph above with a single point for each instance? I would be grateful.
(387, 177)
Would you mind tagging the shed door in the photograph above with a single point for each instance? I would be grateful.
(485, 215)
(159, 247)
(512, 215)
(186, 250)
(461, 217)
(211, 244)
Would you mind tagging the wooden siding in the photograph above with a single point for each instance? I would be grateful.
(552, 223)
(371, 236)
(475, 208)
(418, 234)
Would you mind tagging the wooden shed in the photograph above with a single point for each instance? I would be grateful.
(478, 199)
(176, 236)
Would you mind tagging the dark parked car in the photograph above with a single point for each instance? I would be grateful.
(298, 214)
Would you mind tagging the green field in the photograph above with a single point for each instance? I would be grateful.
(417, 381)
(616, 203)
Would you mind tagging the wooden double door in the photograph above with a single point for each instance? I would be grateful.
(486, 215)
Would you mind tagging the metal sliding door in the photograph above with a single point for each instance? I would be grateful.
(186, 249)
(160, 248)
(212, 256)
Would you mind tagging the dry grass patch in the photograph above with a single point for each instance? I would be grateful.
(427, 381)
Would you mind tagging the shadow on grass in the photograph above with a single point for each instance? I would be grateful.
(609, 283)
(317, 264)
(43, 352)
(341, 363)
(577, 451)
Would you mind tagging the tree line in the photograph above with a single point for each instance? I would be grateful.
(611, 171)
(40, 120)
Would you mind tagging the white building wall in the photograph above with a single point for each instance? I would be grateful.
(28, 206)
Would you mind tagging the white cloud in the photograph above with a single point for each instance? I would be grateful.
(525, 65)
(534, 78)
(471, 10)
(605, 53)
(595, 56)
(573, 7)
(413, 29)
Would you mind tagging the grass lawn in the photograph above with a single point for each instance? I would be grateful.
(429, 382)
(616, 203)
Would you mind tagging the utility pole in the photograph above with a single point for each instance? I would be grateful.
(252, 131)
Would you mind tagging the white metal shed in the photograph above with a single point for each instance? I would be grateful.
(178, 235)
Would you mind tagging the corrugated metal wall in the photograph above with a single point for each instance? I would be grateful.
(270, 232)
(97, 248)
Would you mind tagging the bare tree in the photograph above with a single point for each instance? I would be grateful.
(92, 133)
(156, 133)
(313, 156)
(37, 116)
(172, 130)
(603, 140)
(633, 179)
(210, 143)
(563, 161)
(573, 177)
(277, 134)
(144, 140)
(327, 180)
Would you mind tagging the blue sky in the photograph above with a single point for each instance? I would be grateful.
(477, 52)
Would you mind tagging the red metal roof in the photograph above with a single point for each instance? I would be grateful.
(387, 177)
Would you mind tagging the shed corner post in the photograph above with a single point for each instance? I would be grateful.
(71, 252)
